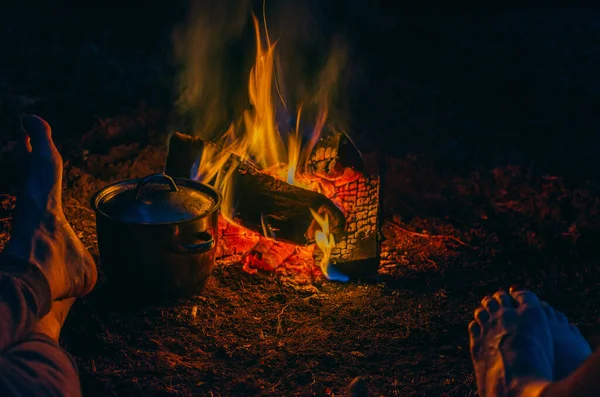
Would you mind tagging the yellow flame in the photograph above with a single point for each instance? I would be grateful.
(258, 137)
(265, 143)
(325, 241)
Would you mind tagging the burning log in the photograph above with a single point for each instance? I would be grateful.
(280, 210)
(262, 203)
(184, 150)
(357, 253)
(334, 156)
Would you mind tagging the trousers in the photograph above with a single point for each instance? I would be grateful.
(31, 363)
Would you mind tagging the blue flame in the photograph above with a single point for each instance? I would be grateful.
(333, 274)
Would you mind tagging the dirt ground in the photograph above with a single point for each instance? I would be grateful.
(480, 192)
(449, 241)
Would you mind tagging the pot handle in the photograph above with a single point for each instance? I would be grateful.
(143, 182)
(204, 246)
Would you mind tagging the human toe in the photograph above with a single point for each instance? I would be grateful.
(482, 317)
(40, 142)
(503, 299)
(490, 304)
(474, 330)
(524, 297)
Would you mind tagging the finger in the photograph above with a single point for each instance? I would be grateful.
(481, 316)
(490, 304)
(503, 299)
(524, 297)
(40, 134)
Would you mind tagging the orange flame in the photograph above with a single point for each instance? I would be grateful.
(258, 139)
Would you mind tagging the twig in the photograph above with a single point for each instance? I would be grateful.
(429, 260)
(306, 299)
(5, 219)
(282, 378)
(455, 239)
(279, 317)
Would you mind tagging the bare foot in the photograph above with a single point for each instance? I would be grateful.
(51, 324)
(511, 347)
(41, 234)
(570, 347)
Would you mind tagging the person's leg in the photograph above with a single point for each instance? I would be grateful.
(511, 347)
(37, 365)
(41, 235)
(44, 259)
(522, 347)
(43, 263)
(570, 347)
(24, 299)
(583, 382)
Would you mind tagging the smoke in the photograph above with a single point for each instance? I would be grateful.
(312, 56)
(215, 50)
(210, 53)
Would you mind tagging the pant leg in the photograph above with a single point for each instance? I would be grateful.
(24, 298)
(36, 366)
(31, 364)
(583, 382)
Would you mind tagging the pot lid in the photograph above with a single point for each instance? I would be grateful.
(156, 199)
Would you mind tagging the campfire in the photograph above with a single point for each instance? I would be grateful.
(301, 202)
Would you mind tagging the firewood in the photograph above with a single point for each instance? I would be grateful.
(261, 202)
(264, 202)
(333, 156)
(357, 253)
(184, 151)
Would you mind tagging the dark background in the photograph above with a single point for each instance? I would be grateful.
(473, 86)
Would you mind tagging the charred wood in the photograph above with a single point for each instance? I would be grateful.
(184, 152)
(333, 156)
(357, 253)
(262, 203)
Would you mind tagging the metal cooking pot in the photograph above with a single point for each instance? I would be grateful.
(157, 235)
